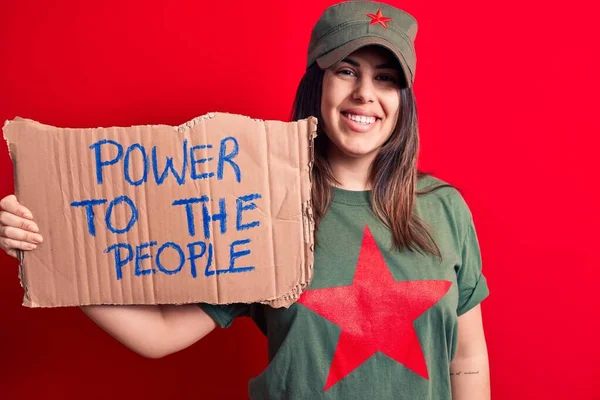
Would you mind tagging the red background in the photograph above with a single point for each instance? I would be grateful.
(507, 97)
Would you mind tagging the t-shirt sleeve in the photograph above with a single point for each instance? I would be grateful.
(472, 285)
(224, 314)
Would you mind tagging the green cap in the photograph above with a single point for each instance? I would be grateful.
(345, 27)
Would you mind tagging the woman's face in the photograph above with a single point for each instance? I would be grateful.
(361, 102)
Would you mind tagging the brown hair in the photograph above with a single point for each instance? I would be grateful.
(393, 173)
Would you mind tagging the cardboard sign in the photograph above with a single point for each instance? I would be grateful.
(216, 210)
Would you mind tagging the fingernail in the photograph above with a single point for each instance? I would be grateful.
(34, 228)
(37, 239)
(28, 215)
(30, 246)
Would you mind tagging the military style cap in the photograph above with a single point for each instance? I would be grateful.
(345, 27)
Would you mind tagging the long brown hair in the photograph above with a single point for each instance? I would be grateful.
(393, 173)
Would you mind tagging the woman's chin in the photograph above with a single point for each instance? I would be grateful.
(357, 153)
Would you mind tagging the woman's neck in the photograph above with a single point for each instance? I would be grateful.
(352, 173)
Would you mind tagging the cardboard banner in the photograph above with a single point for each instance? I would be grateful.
(216, 210)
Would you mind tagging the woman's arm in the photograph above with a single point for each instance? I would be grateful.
(469, 370)
(152, 330)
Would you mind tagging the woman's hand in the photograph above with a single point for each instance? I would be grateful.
(17, 229)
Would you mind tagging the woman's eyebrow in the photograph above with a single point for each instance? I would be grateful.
(351, 62)
(385, 66)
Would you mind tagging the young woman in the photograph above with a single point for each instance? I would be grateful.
(393, 309)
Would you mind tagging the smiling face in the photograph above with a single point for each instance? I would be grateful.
(360, 103)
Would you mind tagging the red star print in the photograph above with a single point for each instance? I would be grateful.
(376, 313)
(379, 19)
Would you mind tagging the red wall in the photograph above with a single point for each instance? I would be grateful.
(507, 95)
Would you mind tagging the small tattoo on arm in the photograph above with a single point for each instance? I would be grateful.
(458, 373)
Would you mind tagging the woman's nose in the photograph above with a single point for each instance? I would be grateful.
(364, 91)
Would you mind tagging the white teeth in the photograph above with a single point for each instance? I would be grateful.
(361, 119)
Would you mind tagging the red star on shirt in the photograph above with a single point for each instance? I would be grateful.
(375, 313)
(379, 19)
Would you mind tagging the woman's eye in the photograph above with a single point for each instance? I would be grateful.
(345, 72)
(387, 78)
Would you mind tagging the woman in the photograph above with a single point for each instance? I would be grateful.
(393, 309)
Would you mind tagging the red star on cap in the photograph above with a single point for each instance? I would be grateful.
(379, 19)
(375, 313)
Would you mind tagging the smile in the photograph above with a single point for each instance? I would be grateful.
(361, 119)
(360, 123)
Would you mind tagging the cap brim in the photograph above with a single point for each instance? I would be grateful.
(337, 55)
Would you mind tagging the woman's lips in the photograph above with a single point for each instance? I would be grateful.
(357, 126)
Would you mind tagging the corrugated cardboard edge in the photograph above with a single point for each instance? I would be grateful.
(26, 298)
(195, 121)
(285, 300)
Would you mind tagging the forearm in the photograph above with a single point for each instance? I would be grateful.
(470, 378)
(134, 326)
(152, 331)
